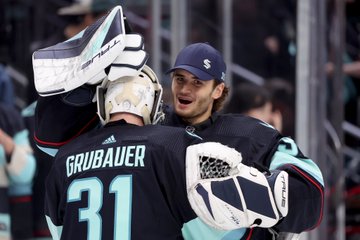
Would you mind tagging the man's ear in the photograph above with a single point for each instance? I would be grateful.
(218, 90)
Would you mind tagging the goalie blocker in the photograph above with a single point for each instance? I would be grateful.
(237, 196)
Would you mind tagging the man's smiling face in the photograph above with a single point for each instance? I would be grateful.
(193, 98)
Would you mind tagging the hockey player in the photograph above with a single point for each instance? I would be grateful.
(17, 169)
(199, 90)
(121, 181)
(130, 180)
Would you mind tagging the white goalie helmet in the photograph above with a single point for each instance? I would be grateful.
(140, 95)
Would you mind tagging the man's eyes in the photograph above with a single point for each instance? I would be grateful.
(198, 83)
(179, 79)
(194, 82)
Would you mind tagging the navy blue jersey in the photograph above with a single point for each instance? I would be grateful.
(260, 144)
(59, 118)
(121, 182)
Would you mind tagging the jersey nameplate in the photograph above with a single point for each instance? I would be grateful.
(125, 156)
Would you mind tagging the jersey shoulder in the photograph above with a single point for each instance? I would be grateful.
(242, 125)
(158, 136)
(255, 139)
(171, 137)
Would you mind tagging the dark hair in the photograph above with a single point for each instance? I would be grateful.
(283, 100)
(247, 96)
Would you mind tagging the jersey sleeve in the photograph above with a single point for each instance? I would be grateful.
(306, 188)
(61, 118)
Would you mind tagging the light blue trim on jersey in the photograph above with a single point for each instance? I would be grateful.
(306, 164)
(197, 229)
(5, 222)
(193, 135)
(20, 189)
(22, 137)
(267, 125)
(29, 111)
(25, 176)
(2, 155)
(27, 172)
(50, 151)
(55, 231)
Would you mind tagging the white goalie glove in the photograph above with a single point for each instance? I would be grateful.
(227, 194)
(131, 61)
(84, 58)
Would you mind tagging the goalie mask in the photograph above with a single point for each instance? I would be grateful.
(140, 95)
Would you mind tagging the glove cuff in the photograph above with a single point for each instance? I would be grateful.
(279, 184)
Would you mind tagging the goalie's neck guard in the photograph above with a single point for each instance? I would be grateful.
(139, 95)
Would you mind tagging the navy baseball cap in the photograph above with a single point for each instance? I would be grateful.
(202, 60)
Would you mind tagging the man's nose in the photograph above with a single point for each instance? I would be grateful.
(186, 87)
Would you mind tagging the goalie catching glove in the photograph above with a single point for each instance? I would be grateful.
(84, 58)
(227, 194)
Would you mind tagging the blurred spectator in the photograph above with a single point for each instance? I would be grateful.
(272, 103)
(78, 16)
(283, 105)
(6, 87)
(17, 168)
(263, 34)
(252, 100)
(43, 165)
(350, 69)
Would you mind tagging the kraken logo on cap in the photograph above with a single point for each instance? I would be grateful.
(207, 63)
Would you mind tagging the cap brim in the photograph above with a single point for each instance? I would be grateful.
(75, 9)
(200, 74)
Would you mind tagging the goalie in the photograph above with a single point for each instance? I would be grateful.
(272, 188)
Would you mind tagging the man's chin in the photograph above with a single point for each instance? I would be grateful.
(182, 112)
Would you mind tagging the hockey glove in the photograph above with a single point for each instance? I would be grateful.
(131, 60)
(238, 197)
(81, 59)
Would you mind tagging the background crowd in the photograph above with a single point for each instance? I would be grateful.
(262, 65)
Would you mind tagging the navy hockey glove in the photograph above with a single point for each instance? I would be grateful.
(236, 195)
